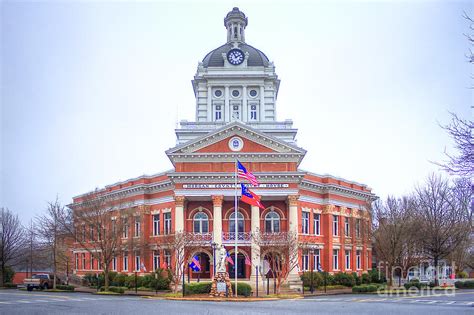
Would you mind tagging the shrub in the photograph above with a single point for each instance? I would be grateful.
(130, 281)
(365, 288)
(415, 284)
(9, 274)
(197, 288)
(365, 279)
(317, 279)
(376, 277)
(9, 285)
(119, 280)
(65, 287)
(357, 279)
(159, 281)
(461, 275)
(344, 279)
(114, 289)
(242, 289)
(464, 284)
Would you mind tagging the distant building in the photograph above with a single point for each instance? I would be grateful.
(236, 89)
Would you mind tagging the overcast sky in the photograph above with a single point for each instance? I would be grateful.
(91, 91)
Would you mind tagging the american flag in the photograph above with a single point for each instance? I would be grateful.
(243, 173)
(247, 261)
(229, 259)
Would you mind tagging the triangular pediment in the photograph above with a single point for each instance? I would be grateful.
(220, 141)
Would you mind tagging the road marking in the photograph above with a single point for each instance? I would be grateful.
(451, 302)
(469, 303)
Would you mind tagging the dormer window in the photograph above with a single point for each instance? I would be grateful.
(218, 113)
(253, 112)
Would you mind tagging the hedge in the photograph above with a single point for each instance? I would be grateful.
(366, 288)
(341, 278)
(65, 287)
(158, 280)
(417, 284)
(469, 284)
(197, 288)
(242, 289)
(9, 285)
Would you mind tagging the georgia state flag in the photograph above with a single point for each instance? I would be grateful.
(250, 198)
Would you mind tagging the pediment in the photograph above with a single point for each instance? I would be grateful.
(219, 141)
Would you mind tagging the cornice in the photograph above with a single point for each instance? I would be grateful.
(287, 177)
(336, 189)
(231, 156)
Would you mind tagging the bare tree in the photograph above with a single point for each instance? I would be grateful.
(175, 245)
(462, 163)
(444, 217)
(460, 130)
(98, 228)
(51, 228)
(394, 234)
(281, 252)
(12, 240)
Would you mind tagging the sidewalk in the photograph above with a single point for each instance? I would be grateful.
(329, 292)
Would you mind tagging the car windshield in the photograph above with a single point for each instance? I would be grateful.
(40, 277)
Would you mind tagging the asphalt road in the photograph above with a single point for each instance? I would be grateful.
(22, 302)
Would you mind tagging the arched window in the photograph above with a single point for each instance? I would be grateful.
(272, 222)
(201, 223)
(240, 222)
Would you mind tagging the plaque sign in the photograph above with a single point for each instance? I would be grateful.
(221, 287)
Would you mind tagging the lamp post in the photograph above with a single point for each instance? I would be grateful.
(311, 267)
(214, 245)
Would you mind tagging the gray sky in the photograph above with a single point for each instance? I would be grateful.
(91, 91)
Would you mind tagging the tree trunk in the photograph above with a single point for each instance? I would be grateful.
(2, 274)
(436, 282)
(106, 278)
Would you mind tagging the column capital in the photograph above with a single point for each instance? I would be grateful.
(328, 209)
(293, 200)
(179, 201)
(217, 200)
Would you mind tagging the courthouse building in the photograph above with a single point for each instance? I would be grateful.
(236, 89)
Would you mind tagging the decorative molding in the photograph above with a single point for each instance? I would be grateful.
(293, 200)
(179, 200)
(217, 200)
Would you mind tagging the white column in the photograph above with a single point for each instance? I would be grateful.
(217, 219)
(227, 113)
(293, 226)
(244, 104)
(262, 103)
(255, 248)
(209, 103)
(179, 214)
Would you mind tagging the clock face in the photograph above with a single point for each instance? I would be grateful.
(235, 56)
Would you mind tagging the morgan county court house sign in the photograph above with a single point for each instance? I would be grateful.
(236, 89)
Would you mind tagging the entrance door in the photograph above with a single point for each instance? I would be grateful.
(240, 267)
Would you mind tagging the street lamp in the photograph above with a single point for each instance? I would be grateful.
(213, 246)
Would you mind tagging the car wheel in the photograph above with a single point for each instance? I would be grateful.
(29, 288)
(45, 286)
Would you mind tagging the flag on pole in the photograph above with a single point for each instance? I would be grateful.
(195, 265)
(243, 173)
(164, 265)
(250, 198)
(320, 268)
(229, 259)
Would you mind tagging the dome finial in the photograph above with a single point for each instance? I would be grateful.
(235, 23)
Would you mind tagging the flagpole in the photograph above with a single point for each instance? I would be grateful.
(236, 227)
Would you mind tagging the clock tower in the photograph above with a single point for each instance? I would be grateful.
(236, 82)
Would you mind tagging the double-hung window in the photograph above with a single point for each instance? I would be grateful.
(156, 224)
(305, 223)
(335, 225)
